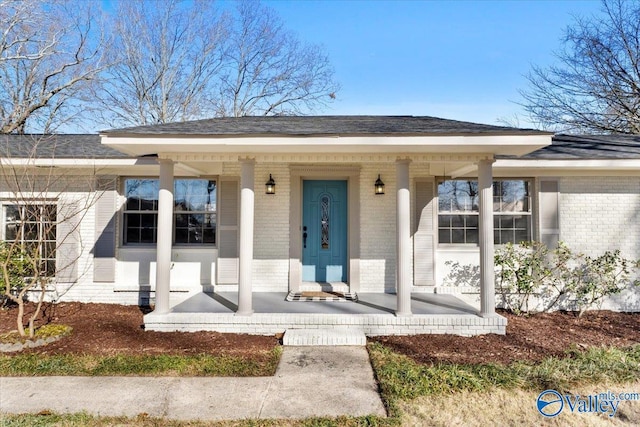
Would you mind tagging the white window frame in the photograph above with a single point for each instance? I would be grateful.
(4, 204)
(124, 211)
(496, 213)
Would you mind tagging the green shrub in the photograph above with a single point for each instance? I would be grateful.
(563, 279)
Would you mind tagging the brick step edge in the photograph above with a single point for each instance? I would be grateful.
(319, 337)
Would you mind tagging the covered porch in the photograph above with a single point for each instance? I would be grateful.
(373, 313)
(387, 239)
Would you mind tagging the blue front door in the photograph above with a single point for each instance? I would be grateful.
(324, 231)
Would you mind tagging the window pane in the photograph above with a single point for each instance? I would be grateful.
(132, 235)
(181, 220)
(50, 232)
(457, 236)
(522, 236)
(512, 195)
(30, 231)
(132, 220)
(49, 213)
(182, 235)
(522, 221)
(11, 232)
(210, 220)
(195, 228)
(32, 213)
(142, 194)
(195, 194)
(506, 221)
(51, 267)
(209, 235)
(471, 221)
(444, 221)
(147, 235)
(472, 236)
(49, 250)
(148, 220)
(457, 196)
(444, 236)
(12, 213)
(506, 236)
(133, 204)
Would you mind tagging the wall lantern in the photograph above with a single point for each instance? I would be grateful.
(379, 186)
(271, 186)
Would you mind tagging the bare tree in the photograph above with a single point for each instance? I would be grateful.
(42, 210)
(268, 71)
(596, 84)
(166, 53)
(49, 53)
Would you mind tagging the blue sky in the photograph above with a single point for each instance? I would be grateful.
(463, 60)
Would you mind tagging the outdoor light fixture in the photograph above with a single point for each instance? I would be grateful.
(271, 185)
(379, 186)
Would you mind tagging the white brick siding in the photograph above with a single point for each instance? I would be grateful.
(378, 229)
(271, 229)
(600, 213)
(596, 214)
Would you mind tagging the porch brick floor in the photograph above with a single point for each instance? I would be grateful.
(372, 314)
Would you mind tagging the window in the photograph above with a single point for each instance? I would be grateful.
(195, 211)
(33, 226)
(458, 203)
(195, 215)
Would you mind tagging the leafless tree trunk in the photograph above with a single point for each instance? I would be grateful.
(49, 53)
(166, 54)
(268, 71)
(596, 85)
(42, 208)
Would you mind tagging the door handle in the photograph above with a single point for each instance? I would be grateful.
(304, 236)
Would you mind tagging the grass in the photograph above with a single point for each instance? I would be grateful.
(156, 365)
(514, 407)
(84, 419)
(402, 378)
(415, 394)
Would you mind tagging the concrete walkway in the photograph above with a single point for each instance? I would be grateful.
(309, 382)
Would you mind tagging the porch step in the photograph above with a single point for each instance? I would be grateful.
(319, 337)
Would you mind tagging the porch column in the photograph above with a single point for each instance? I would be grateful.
(245, 307)
(403, 242)
(487, 279)
(165, 235)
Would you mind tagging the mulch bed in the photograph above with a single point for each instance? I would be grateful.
(108, 329)
(531, 338)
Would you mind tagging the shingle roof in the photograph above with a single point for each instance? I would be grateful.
(564, 147)
(60, 146)
(321, 125)
(589, 147)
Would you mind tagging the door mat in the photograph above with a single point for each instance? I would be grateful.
(322, 296)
